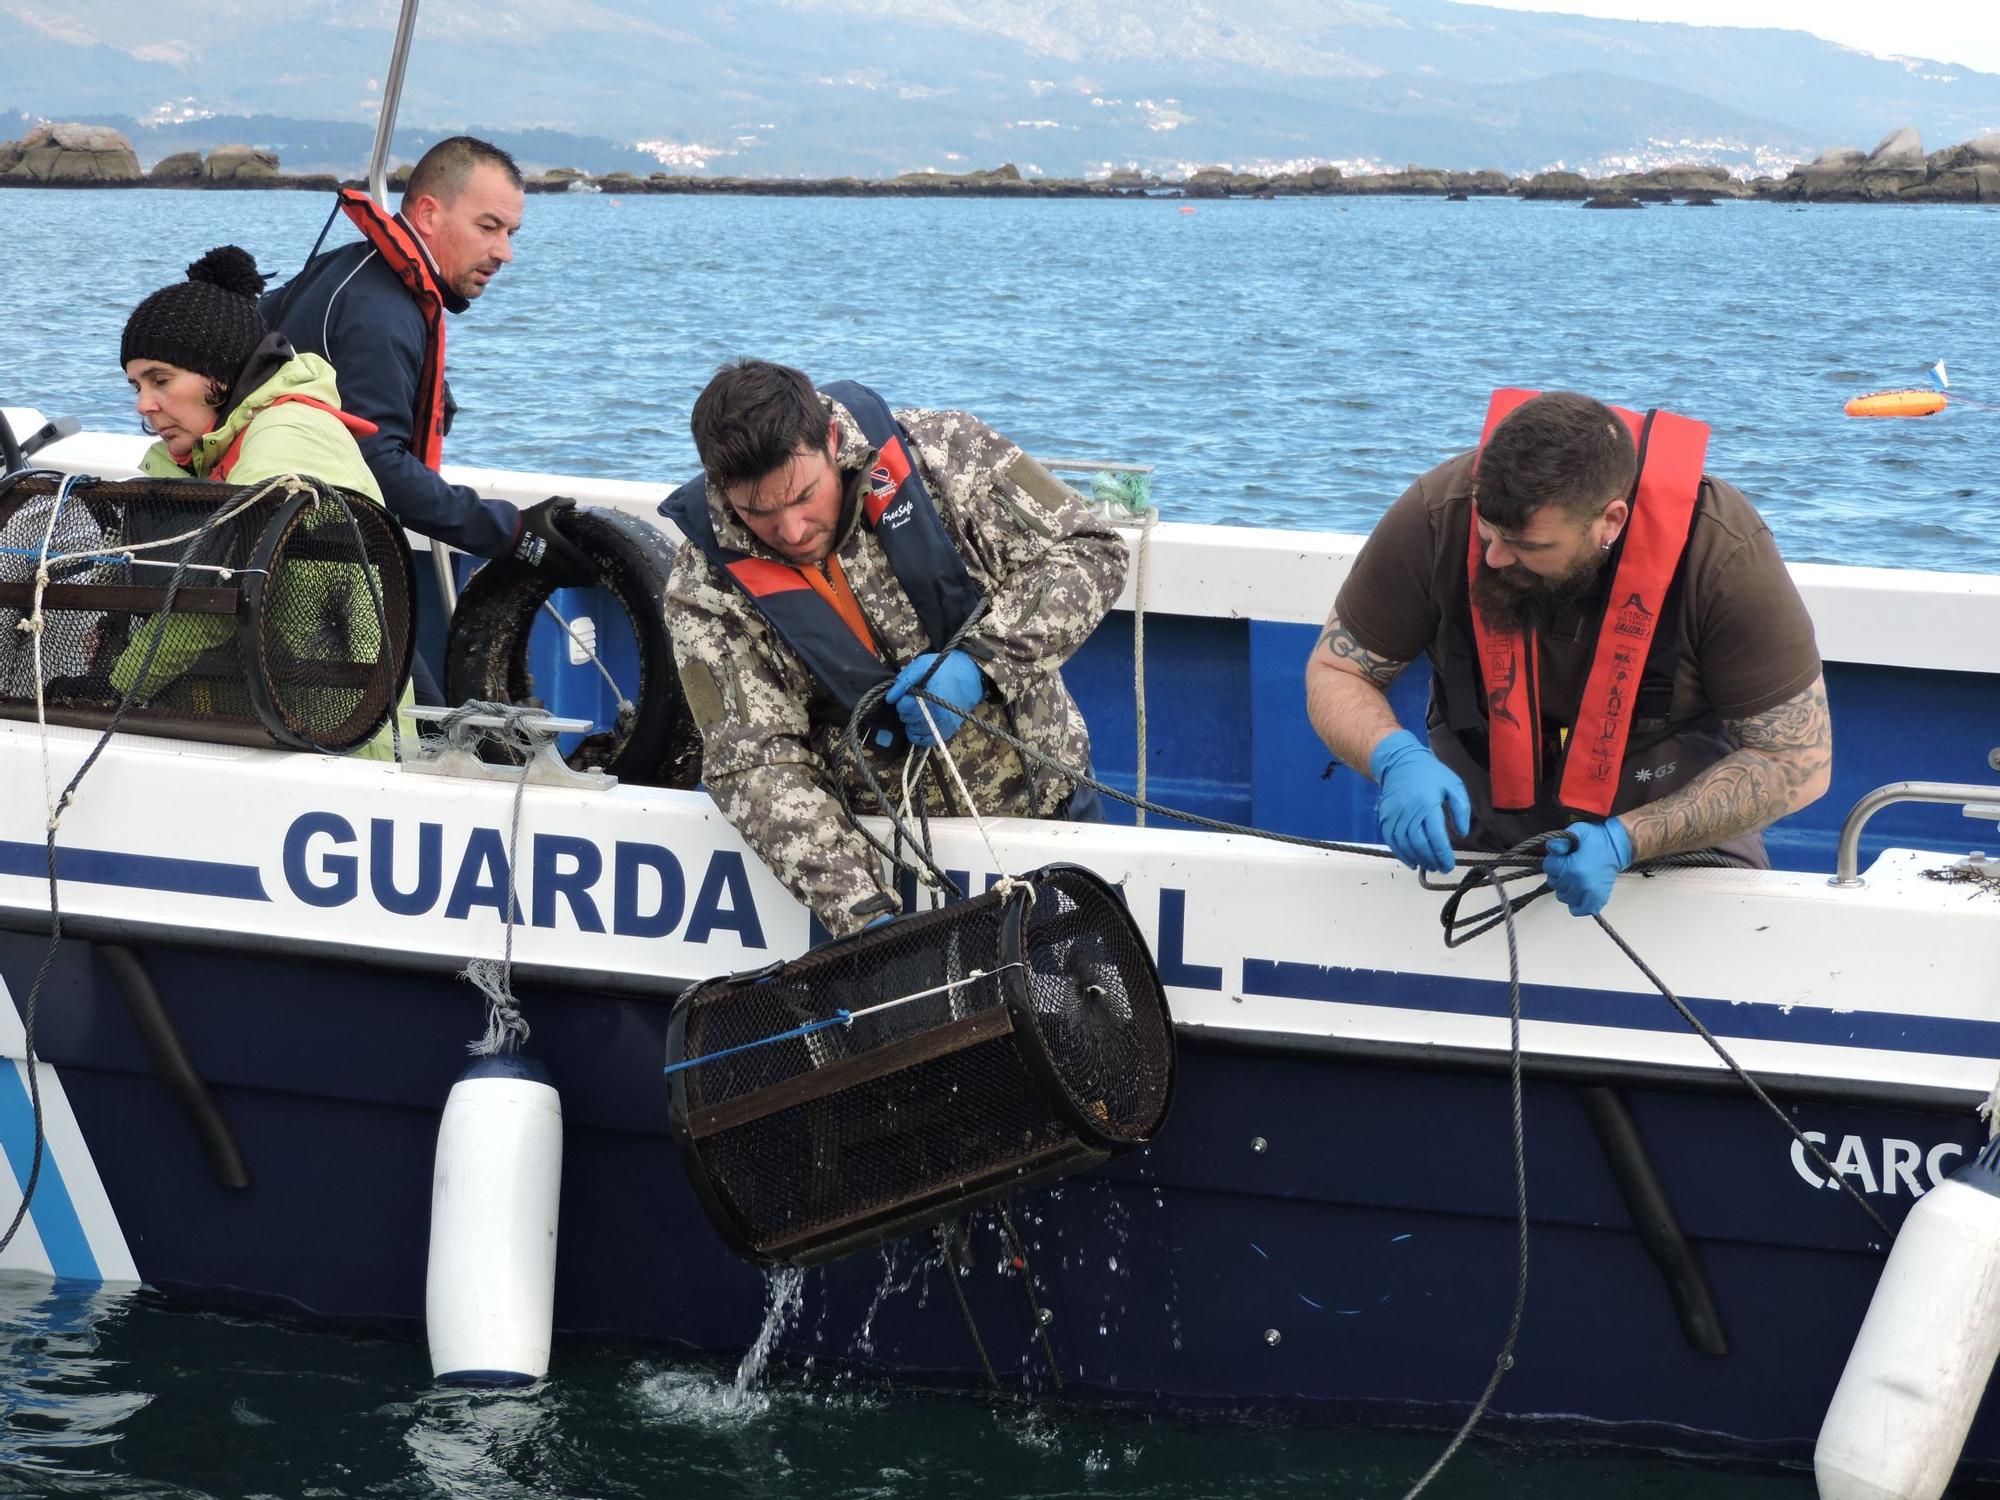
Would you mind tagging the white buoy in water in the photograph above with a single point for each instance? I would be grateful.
(1926, 1349)
(489, 1297)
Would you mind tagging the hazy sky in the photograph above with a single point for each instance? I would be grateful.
(1966, 32)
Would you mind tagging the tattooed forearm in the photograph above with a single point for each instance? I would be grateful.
(1785, 763)
(1345, 686)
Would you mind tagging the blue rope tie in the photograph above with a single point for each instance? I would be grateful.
(63, 557)
(838, 1018)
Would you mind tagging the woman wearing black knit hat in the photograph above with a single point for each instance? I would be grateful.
(229, 400)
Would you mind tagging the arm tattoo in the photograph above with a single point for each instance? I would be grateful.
(1338, 642)
(1786, 752)
(1799, 726)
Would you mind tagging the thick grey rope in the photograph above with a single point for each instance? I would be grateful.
(506, 1027)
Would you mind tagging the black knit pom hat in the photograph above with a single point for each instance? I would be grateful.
(208, 323)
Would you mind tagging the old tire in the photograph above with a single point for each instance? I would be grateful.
(487, 649)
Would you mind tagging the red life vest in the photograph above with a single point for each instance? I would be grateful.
(807, 613)
(361, 427)
(401, 251)
(1670, 450)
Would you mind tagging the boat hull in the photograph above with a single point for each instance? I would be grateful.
(1357, 1207)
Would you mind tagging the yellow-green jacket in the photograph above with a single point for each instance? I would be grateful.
(278, 438)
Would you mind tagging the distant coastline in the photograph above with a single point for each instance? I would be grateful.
(1896, 171)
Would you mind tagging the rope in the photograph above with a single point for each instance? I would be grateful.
(1006, 882)
(1504, 1361)
(850, 747)
(1524, 859)
(1146, 525)
(1019, 1254)
(225, 573)
(842, 1017)
(506, 1027)
(56, 807)
(950, 1264)
(625, 704)
(1747, 1081)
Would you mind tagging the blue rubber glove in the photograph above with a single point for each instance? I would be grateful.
(958, 681)
(882, 921)
(1422, 801)
(1582, 876)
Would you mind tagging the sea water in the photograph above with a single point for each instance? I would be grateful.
(1291, 363)
(1281, 364)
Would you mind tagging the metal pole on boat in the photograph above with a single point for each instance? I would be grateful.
(392, 95)
(378, 189)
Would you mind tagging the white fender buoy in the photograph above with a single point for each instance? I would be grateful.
(1925, 1351)
(489, 1296)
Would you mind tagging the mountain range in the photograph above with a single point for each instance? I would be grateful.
(1063, 87)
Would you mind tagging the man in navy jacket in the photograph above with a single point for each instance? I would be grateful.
(374, 310)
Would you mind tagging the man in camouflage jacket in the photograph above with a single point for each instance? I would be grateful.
(1047, 568)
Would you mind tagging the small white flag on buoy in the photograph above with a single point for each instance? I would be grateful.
(1937, 374)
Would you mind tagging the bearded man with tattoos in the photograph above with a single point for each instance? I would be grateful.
(1617, 652)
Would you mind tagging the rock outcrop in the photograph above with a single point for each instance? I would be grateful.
(1897, 170)
(556, 180)
(240, 164)
(1901, 150)
(1545, 185)
(180, 169)
(70, 155)
(1663, 184)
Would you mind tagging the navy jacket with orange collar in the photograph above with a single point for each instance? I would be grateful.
(350, 308)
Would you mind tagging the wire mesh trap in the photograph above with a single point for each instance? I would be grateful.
(887, 1082)
(290, 617)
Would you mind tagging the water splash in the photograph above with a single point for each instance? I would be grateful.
(889, 1286)
(787, 1286)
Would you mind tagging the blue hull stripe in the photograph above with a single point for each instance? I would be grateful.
(54, 1212)
(1743, 1019)
(146, 872)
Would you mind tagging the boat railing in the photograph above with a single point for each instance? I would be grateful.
(1976, 801)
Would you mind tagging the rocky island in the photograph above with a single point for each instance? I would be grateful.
(1896, 171)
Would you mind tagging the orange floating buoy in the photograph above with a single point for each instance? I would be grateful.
(1188, 208)
(1897, 404)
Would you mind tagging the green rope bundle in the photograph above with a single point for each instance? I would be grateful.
(1125, 491)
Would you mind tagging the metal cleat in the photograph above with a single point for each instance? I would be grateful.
(545, 767)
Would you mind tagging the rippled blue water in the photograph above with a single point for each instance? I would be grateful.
(1284, 364)
(1290, 363)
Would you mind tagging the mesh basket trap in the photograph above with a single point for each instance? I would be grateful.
(994, 1044)
(291, 623)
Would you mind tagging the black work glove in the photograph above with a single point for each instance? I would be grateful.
(541, 545)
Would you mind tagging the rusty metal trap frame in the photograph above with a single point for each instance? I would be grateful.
(291, 618)
(889, 1081)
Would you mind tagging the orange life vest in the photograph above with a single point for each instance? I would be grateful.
(400, 250)
(1671, 450)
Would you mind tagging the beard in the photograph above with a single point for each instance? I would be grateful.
(1514, 599)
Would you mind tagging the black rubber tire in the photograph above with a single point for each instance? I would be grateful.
(486, 649)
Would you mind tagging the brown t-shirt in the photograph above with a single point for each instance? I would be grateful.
(1745, 640)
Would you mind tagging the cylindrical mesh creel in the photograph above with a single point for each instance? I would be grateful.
(290, 625)
(1003, 1041)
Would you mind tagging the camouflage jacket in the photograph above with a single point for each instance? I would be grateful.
(1049, 569)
